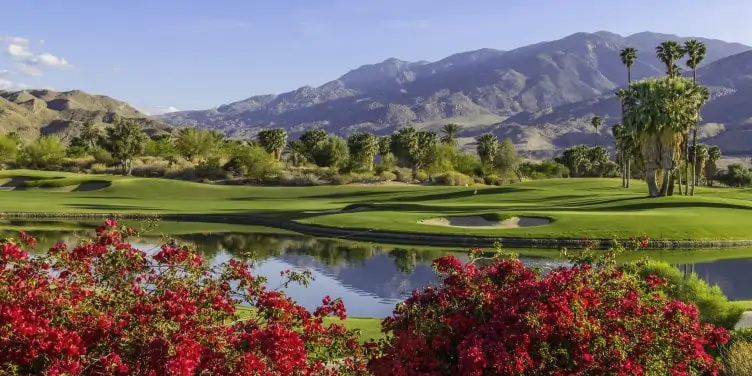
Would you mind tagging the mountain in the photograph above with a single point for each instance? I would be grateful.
(512, 93)
(41, 112)
(727, 117)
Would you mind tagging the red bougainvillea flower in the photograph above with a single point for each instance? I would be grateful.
(106, 308)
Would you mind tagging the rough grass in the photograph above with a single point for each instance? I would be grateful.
(595, 208)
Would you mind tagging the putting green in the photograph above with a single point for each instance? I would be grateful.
(578, 208)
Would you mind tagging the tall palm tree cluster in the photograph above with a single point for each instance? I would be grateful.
(657, 117)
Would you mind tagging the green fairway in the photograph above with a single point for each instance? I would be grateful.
(579, 208)
(369, 327)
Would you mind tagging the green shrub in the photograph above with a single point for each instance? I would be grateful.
(102, 156)
(98, 168)
(342, 179)
(387, 176)
(495, 217)
(737, 359)
(713, 306)
(453, 179)
(420, 176)
(404, 175)
(493, 180)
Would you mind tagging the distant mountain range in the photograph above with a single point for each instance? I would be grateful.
(541, 95)
(41, 112)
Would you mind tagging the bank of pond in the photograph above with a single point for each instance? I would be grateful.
(370, 278)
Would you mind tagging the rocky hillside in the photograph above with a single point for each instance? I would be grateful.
(727, 118)
(535, 94)
(35, 112)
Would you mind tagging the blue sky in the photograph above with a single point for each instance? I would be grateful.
(195, 54)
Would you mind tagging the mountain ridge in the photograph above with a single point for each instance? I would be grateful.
(504, 91)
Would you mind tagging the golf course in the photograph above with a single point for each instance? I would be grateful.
(586, 208)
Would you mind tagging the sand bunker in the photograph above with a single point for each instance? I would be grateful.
(480, 222)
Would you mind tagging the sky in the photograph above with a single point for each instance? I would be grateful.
(162, 55)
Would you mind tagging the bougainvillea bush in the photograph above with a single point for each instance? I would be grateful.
(503, 318)
(104, 307)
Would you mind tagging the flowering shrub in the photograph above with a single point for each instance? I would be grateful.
(502, 318)
(106, 308)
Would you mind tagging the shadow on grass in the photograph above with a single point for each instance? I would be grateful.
(112, 207)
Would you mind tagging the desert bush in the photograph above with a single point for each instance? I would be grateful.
(342, 179)
(151, 168)
(714, 306)
(107, 308)
(502, 318)
(387, 176)
(102, 156)
(737, 359)
(493, 180)
(453, 179)
(98, 168)
(404, 175)
(420, 176)
(210, 168)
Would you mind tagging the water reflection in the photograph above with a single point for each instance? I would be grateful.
(371, 278)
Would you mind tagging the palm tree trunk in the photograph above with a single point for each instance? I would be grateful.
(686, 165)
(650, 179)
(694, 143)
(666, 179)
(623, 171)
(629, 169)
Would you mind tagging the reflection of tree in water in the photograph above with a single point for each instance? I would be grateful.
(407, 259)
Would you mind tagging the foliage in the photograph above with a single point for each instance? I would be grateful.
(502, 318)
(198, 144)
(449, 134)
(363, 148)
(487, 145)
(160, 146)
(124, 141)
(714, 155)
(331, 152)
(543, 170)
(735, 175)
(506, 159)
(8, 148)
(453, 179)
(253, 162)
(658, 112)
(45, 151)
(714, 308)
(105, 307)
(273, 141)
(737, 359)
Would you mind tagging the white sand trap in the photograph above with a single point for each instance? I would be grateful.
(480, 222)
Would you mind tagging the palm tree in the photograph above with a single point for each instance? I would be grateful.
(701, 156)
(596, 122)
(273, 141)
(363, 148)
(657, 112)
(695, 51)
(449, 134)
(487, 145)
(628, 57)
(668, 52)
(714, 154)
(619, 131)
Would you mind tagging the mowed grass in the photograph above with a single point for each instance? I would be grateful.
(369, 327)
(578, 208)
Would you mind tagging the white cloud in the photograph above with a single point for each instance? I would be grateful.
(27, 57)
(11, 86)
(52, 61)
(158, 110)
(19, 51)
(16, 40)
(28, 70)
(4, 73)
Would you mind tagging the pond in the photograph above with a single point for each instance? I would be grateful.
(370, 278)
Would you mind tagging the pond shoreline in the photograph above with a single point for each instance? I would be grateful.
(380, 236)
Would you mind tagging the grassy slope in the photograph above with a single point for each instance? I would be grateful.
(579, 207)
